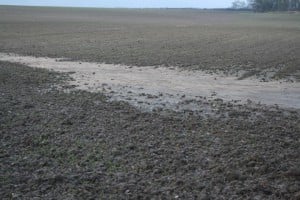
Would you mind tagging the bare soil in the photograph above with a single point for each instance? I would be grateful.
(79, 145)
(264, 45)
(120, 131)
(168, 88)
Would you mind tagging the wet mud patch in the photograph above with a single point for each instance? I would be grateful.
(151, 88)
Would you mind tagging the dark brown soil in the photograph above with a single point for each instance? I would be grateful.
(77, 145)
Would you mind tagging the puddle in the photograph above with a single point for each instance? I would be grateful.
(154, 87)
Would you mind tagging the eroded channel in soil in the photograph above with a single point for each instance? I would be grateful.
(160, 87)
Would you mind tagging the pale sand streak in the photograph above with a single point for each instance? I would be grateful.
(155, 80)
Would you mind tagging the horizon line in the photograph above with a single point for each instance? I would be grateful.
(58, 6)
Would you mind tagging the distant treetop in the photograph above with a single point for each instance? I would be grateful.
(268, 5)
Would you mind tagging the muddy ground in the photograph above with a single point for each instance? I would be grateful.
(78, 145)
(59, 142)
(155, 87)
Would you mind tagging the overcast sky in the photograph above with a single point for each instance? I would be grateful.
(124, 3)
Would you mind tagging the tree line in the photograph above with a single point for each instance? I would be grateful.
(268, 5)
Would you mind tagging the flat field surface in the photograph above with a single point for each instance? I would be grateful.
(189, 38)
(79, 132)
